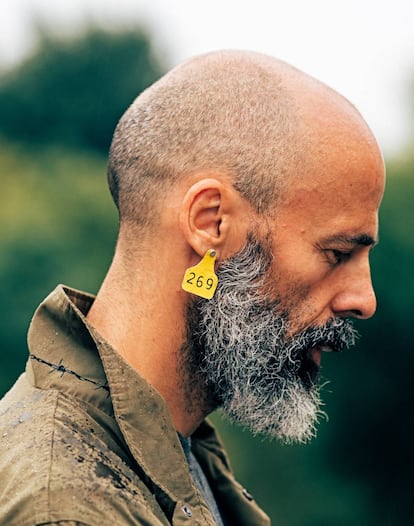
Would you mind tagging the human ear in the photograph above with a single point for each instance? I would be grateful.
(213, 215)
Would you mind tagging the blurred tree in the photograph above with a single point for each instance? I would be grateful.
(57, 225)
(73, 91)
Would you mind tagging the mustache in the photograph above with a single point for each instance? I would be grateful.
(337, 333)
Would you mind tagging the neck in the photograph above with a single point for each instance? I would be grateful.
(142, 314)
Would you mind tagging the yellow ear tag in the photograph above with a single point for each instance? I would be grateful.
(201, 280)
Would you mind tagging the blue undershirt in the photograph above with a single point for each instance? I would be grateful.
(200, 480)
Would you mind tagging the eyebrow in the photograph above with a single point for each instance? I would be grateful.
(362, 240)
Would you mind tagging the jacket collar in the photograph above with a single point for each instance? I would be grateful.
(69, 355)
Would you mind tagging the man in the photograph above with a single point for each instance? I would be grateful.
(233, 164)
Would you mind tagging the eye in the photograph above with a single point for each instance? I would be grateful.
(336, 257)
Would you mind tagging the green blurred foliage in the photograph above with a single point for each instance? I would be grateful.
(73, 91)
(57, 224)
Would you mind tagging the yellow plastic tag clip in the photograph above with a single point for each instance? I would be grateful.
(201, 279)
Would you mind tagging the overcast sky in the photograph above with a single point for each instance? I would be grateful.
(362, 48)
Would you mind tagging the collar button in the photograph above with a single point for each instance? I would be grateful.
(186, 510)
(248, 495)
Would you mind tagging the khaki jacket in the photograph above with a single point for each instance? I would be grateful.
(85, 440)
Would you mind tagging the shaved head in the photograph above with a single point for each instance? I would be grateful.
(230, 112)
(243, 154)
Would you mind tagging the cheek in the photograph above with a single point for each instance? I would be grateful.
(297, 303)
(301, 299)
(302, 281)
(298, 264)
(293, 280)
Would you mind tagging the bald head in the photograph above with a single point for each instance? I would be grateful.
(242, 154)
(238, 113)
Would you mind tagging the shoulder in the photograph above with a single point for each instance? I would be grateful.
(59, 462)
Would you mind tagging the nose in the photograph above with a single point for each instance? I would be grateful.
(356, 297)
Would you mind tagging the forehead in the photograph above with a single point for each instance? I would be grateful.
(338, 185)
(348, 184)
(337, 150)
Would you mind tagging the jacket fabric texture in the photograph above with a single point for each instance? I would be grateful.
(85, 440)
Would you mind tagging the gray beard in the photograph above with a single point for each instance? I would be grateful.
(238, 350)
